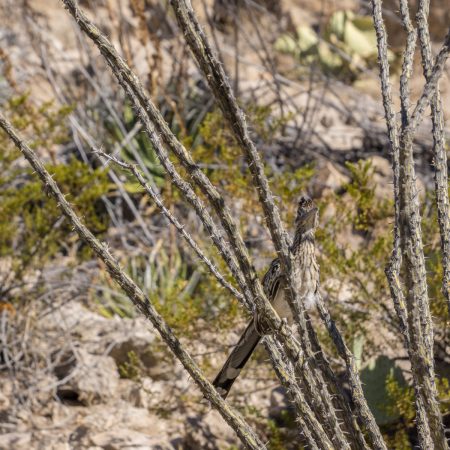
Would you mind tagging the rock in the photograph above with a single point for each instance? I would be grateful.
(144, 393)
(112, 439)
(99, 335)
(87, 379)
(36, 390)
(16, 441)
(4, 401)
(44, 389)
(343, 138)
(118, 426)
(137, 340)
(123, 438)
(208, 432)
(382, 177)
(328, 178)
(199, 435)
(49, 440)
(155, 395)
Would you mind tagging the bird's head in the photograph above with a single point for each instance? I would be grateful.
(307, 218)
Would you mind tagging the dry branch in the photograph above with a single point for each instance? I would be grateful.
(133, 89)
(309, 425)
(218, 82)
(408, 60)
(151, 119)
(393, 268)
(301, 366)
(435, 72)
(135, 294)
(364, 414)
(305, 415)
(412, 307)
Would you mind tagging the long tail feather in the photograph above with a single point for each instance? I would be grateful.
(237, 360)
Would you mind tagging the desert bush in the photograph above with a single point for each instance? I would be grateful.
(31, 228)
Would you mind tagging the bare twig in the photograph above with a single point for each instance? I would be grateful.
(139, 100)
(309, 425)
(151, 118)
(408, 59)
(393, 268)
(286, 376)
(364, 415)
(135, 294)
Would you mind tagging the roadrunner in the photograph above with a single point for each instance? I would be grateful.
(303, 250)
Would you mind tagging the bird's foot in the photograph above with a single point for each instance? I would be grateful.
(261, 326)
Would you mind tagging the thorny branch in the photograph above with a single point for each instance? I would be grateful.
(301, 366)
(431, 85)
(153, 122)
(217, 80)
(309, 425)
(282, 366)
(412, 307)
(313, 379)
(148, 113)
(135, 294)
(364, 415)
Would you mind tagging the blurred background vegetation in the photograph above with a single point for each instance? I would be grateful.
(329, 53)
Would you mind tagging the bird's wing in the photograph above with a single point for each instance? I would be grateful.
(271, 279)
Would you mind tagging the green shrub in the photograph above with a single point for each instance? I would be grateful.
(32, 230)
